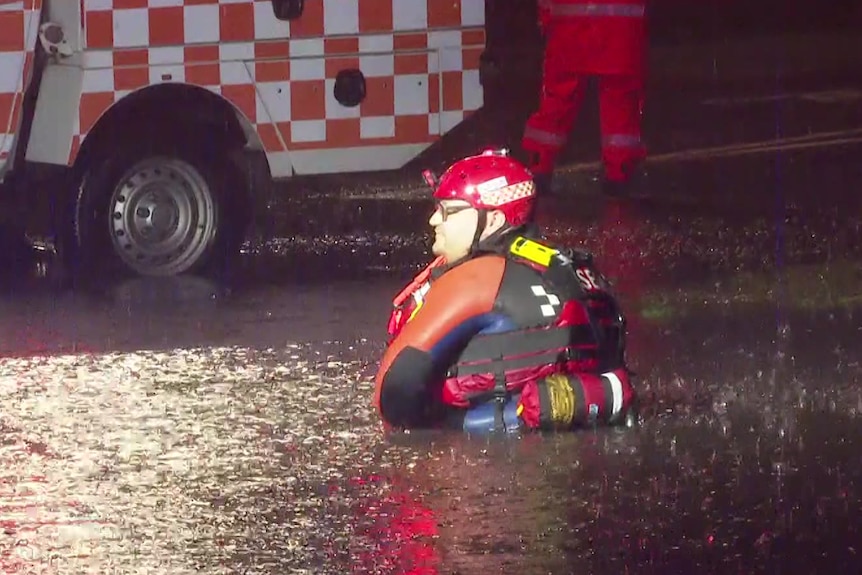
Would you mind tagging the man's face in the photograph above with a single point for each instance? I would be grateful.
(454, 223)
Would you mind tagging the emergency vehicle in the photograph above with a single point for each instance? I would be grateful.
(153, 128)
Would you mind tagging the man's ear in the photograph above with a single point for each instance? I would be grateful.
(497, 219)
(494, 221)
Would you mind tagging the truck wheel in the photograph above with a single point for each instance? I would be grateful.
(158, 215)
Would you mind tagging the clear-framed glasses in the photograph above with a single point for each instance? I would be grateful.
(446, 211)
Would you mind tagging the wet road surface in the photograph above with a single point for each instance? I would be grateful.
(189, 427)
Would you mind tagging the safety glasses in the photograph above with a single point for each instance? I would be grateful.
(446, 211)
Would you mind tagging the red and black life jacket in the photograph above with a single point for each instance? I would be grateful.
(567, 322)
(409, 300)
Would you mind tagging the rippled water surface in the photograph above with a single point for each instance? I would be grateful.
(218, 457)
(184, 427)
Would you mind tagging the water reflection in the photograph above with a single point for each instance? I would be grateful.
(144, 432)
(270, 460)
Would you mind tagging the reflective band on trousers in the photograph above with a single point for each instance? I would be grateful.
(617, 391)
(621, 140)
(544, 137)
(625, 10)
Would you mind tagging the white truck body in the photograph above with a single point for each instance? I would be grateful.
(420, 59)
(313, 86)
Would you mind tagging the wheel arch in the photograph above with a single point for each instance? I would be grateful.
(169, 111)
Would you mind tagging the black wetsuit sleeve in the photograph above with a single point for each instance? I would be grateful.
(405, 395)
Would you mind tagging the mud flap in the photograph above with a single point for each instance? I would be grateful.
(257, 223)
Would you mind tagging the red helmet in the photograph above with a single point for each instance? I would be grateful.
(490, 181)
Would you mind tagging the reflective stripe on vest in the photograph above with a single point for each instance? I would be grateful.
(621, 141)
(623, 10)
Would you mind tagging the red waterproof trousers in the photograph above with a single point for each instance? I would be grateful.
(603, 38)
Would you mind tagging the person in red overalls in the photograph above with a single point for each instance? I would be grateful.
(602, 38)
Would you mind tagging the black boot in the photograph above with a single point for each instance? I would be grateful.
(632, 185)
(617, 188)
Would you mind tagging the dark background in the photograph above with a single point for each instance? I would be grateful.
(708, 20)
(679, 21)
(703, 47)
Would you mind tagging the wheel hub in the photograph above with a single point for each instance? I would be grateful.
(157, 215)
(163, 217)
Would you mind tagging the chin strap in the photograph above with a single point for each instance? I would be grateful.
(494, 241)
(480, 227)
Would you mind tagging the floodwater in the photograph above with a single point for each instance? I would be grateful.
(183, 426)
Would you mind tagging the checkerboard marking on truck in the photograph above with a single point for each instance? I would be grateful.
(315, 86)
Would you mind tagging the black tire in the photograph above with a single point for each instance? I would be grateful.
(124, 200)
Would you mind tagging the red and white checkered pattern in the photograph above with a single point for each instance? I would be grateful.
(19, 30)
(502, 196)
(420, 59)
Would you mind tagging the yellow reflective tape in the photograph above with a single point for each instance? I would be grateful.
(415, 311)
(532, 251)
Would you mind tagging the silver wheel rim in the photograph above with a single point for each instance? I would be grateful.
(162, 217)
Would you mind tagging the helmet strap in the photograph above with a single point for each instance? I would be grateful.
(480, 227)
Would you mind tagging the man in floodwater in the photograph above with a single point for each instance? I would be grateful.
(502, 332)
